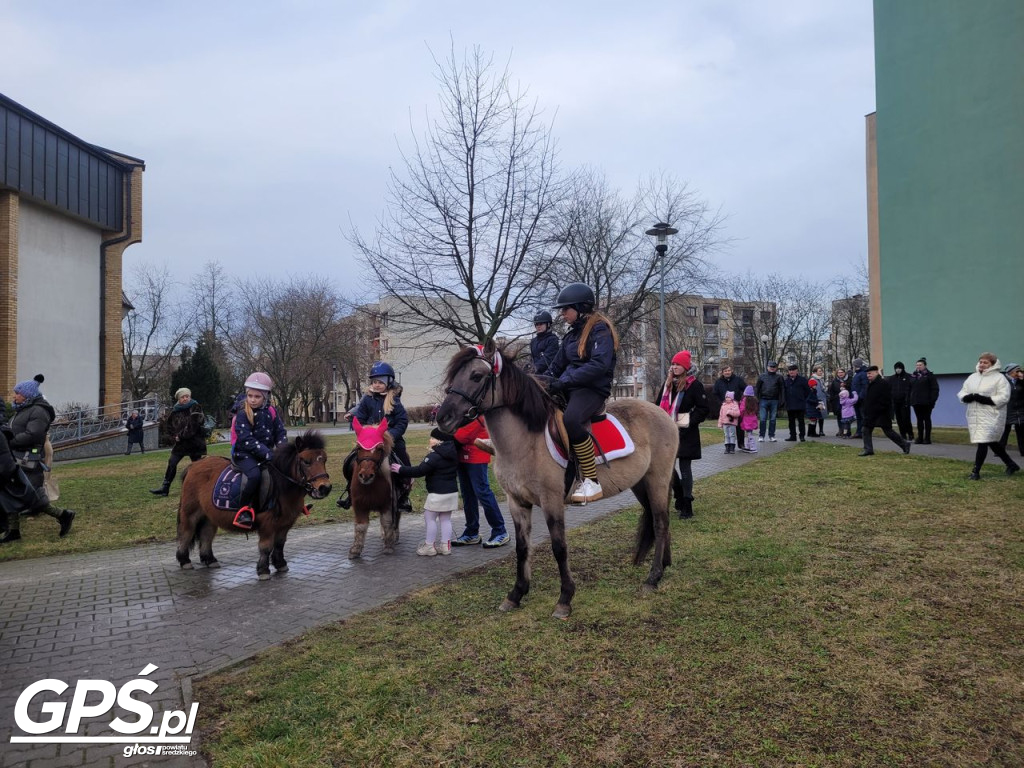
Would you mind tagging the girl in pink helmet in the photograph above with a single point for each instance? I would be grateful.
(259, 431)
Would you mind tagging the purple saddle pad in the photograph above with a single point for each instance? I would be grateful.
(228, 488)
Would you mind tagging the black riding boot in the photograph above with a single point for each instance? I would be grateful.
(13, 532)
(163, 490)
(687, 509)
(345, 500)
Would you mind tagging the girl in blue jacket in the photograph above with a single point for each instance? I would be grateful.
(258, 430)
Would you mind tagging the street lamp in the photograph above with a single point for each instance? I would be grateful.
(765, 338)
(334, 391)
(660, 233)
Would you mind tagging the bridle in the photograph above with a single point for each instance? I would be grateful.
(307, 482)
(476, 399)
(376, 462)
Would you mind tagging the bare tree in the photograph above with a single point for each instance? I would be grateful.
(794, 314)
(285, 330)
(468, 229)
(851, 317)
(154, 331)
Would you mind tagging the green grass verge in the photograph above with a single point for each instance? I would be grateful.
(821, 611)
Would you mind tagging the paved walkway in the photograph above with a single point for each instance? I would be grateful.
(107, 615)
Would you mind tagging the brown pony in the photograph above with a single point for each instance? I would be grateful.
(371, 488)
(297, 468)
(517, 411)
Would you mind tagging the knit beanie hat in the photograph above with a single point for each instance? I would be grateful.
(898, 366)
(29, 389)
(749, 391)
(812, 383)
(858, 364)
(182, 392)
(682, 358)
(730, 395)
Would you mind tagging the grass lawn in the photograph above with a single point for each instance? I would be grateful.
(115, 508)
(820, 611)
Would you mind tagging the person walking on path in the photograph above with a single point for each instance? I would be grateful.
(900, 382)
(748, 419)
(986, 393)
(833, 398)
(730, 382)
(476, 488)
(440, 467)
(728, 420)
(135, 433)
(1015, 408)
(924, 393)
(543, 346)
(859, 386)
(26, 438)
(768, 390)
(877, 411)
(685, 400)
(796, 390)
(184, 428)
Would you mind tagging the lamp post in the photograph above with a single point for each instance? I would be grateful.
(334, 392)
(660, 233)
(764, 346)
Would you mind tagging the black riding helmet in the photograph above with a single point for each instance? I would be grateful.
(578, 296)
(542, 317)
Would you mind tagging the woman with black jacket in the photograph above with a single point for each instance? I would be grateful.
(686, 401)
(924, 393)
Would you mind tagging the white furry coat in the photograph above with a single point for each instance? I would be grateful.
(985, 422)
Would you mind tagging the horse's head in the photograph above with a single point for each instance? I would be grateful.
(373, 445)
(304, 462)
(479, 379)
(471, 386)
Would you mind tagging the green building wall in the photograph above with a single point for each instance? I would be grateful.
(950, 161)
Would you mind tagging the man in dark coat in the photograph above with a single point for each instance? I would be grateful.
(135, 433)
(900, 384)
(768, 391)
(184, 429)
(878, 412)
(797, 390)
(924, 393)
(730, 382)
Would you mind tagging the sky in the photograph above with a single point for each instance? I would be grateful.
(268, 128)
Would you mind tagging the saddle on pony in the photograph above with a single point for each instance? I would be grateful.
(227, 494)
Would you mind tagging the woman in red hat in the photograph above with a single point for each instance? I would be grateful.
(685, 400)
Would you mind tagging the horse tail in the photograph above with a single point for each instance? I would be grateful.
(645, 525)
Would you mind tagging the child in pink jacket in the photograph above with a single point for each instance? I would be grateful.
(748, 419)
(847, 412)
(728, 420)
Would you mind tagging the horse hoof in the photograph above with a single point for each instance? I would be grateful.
(648, 589)
(562, 612)
(186, 566)
(282, 569)
(389, 550)
(213, 564)
(507, 606)
(264, 577)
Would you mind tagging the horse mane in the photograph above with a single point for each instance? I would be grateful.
(523, 394)
(286, 453)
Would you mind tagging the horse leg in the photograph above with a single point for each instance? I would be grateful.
(362, 524)
(277, 554)
(389, 527)
(652, 529)
(560, 549)
(186, 538)
(522, 517)
(263, 564)
(207, 531)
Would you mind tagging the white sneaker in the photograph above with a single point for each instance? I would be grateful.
(426, 549)
(444, 548)
(587, 490)
(760, 439)
(772, 440)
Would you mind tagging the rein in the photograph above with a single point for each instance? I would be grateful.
(306, 483)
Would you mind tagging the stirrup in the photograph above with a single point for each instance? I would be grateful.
(244, 524)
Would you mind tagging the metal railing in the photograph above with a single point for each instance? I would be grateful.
(72, 426)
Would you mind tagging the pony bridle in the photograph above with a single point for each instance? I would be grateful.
(476, 405)
(306, 482)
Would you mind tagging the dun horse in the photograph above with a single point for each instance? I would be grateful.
(517, 411)
(371, 487)
(298, 468)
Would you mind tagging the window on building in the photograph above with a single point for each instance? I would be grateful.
(691, 311)
(766, 316)
(747, 317)
(383, 346)
(710, 314)
(723, 352)
(383, 319)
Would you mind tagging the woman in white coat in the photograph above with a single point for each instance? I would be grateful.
(986, 393)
